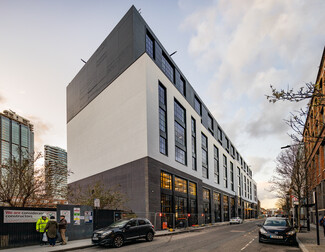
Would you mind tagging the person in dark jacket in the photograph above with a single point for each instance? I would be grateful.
(62, 229)
(51, 230)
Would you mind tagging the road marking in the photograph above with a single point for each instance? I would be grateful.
(248, 243)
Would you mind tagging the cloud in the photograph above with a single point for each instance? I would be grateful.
(244, 47)
(2, 99)
(41, 128)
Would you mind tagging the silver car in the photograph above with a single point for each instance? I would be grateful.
(236, 220)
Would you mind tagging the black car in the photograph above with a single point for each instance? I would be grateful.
(278, 230)
(123, 230)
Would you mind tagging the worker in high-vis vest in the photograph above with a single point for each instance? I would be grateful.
(40, 227)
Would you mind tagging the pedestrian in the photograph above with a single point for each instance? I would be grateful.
(51, 230)
(62, 229)
(322, 223)
(40, 227)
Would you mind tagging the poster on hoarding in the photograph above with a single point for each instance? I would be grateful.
(25, 216)
(67, 215)
(88, 216)
(76, 216)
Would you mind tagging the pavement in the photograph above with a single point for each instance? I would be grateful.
(85, 243)
(308, 240)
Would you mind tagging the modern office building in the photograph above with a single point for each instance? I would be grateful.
(134, 120)
(314, 139)
(56, 171)
(17, 137)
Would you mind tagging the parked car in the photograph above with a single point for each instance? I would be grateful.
(277, 230)
(235, 220)
(124, 230)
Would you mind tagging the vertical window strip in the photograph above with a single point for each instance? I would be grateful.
(163, 145)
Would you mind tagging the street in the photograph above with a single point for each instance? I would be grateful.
(243, 237)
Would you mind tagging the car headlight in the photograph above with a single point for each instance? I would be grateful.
(292, 232)
(106, 233)
(262, 230)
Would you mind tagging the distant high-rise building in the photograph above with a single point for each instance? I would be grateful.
(16, 136)
(56, 171)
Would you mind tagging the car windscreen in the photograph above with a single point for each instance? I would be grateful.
(119, 223)
(276, 223)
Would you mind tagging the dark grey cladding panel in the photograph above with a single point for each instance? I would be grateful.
(129, 178)
(118, 51)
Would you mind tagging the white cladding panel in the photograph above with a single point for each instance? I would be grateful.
(112, 129)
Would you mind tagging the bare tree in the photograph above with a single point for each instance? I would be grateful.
(111, 198)
(297, 120)
(290, 175)
(23, 184)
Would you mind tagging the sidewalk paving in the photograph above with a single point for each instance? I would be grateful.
(308, 240)
(85, 243)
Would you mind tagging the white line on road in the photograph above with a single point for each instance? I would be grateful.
(248, 243)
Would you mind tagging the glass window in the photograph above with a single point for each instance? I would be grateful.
(5, 134)
(206, 194)
(219, 134)
(132, 223)
(239, 182)
(166, 203)
(149, 46)
(225, 172)
(197, 106)
(216, 165)
(179, 112)
(227, 144)
(232, 176)
(162, 145)
(15, 152)
(180, 206)
(245, 188)
(162, 120)
(165, 181)
(141, 222)
(180, 85)
(5, 151)
(180, 185)
(179, 134)
(232, 150)
(225, 208)
(180, 155)
(163, 148)
(167, 68)
(205, 170)
(162, 94)
(24, 136)
(15, 132)
(192, 188)
(193, 126)
(210, 122)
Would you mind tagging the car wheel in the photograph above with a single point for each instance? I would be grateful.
(149, 236)
(118, 241)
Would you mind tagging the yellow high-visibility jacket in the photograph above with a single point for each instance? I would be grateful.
(41, 224)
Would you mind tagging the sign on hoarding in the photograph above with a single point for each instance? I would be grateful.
(67, 215)
(76, 216)
(24, 216)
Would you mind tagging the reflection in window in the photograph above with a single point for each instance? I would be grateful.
(205, 169)
(197, 106)
(192, 188)
(232, 176)
(165, 181)
(206, 194)
(166, 203)
(149, 46)
(180, 185)
(167, 68)
(180, 155)
(193, 131)
(216, 165)
(162, 120)
(225, 172)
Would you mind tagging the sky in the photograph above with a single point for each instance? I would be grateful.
(231, 51)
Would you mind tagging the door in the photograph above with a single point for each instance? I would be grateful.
(131, 230)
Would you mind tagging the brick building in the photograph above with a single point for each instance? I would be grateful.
(314, 133)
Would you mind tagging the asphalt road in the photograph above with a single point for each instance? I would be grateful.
(230, 238)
